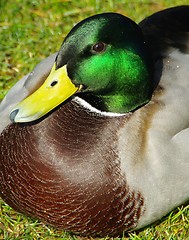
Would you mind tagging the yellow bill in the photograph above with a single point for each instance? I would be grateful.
(55, 90)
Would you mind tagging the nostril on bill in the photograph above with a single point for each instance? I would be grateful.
(13, 115)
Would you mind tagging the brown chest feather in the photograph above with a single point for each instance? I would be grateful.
(65, 170)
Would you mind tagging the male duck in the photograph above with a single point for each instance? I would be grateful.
(102, 145)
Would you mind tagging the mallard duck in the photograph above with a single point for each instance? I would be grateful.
(99, 144)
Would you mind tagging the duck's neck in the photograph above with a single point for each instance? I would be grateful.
(130, 85)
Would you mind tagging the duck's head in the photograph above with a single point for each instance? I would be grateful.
(104, 57)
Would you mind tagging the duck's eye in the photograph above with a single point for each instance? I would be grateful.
(99, 47)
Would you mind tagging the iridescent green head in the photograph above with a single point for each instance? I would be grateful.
(105, 60)
(107, 54)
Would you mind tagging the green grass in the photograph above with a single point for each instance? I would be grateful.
(31, 30)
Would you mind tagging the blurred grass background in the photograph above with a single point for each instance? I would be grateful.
(31, 30)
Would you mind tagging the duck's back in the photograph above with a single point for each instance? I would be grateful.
(165, 179)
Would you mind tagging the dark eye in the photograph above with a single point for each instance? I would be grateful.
(99, 47)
